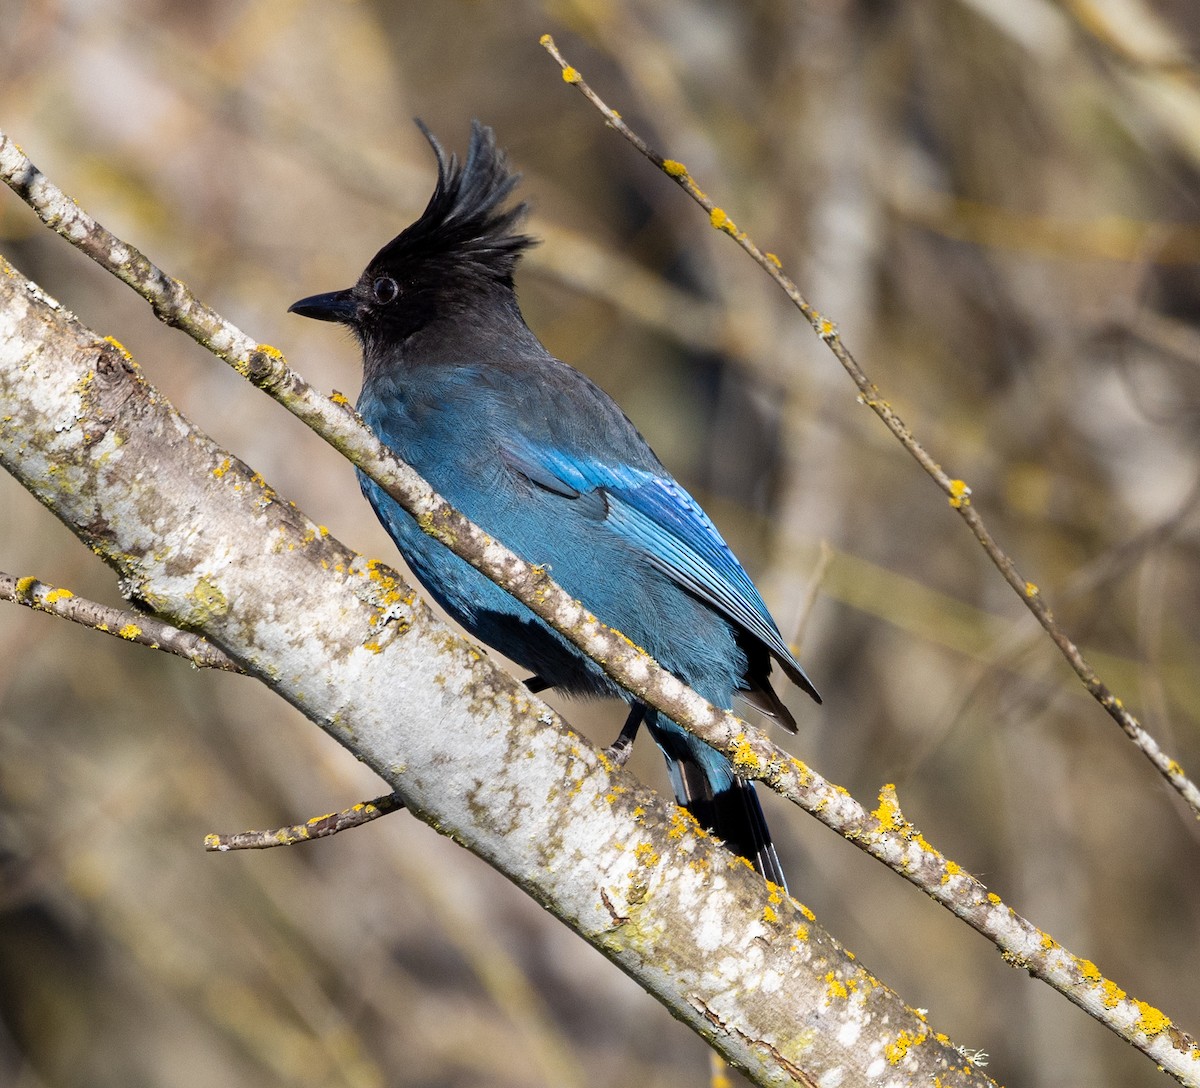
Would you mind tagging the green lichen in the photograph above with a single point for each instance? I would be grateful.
(208, 601)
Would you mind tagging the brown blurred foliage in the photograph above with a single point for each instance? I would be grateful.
(997, 202)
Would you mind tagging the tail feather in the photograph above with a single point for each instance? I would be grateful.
(733, 814)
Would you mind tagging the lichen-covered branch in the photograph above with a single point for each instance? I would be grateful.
(1022, 944)
(122, 623)
(319, 827)
(336, 422)
(349, 644)
(878, 833)
(957, 491)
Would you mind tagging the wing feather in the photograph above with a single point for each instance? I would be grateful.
(654, 512)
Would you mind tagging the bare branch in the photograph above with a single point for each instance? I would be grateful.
(907, 851)
(957, 491)
(319, 827)
(123, 623)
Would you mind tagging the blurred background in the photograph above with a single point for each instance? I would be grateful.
(997, 201)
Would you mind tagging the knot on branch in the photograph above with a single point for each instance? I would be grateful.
(265, 367)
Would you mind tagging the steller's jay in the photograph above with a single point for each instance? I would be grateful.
(537, 455)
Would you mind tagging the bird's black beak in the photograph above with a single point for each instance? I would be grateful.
(333, 306)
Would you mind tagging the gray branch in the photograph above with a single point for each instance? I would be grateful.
(120, 623)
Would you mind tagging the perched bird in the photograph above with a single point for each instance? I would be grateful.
(536, 454)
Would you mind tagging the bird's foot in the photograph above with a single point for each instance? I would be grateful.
(618, 752)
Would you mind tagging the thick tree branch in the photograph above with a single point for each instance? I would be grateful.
(336, 422)
(884, 833)
(464, 746)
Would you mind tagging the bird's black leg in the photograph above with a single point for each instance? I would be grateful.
(536, 684)
(620, 748)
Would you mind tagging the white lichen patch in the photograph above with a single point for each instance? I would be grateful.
(709, 925)
(832, 1078)
(848, 1033)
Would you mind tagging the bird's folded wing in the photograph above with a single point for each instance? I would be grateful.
(656, 514)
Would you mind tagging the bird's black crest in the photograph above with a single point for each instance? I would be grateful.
(463, 220)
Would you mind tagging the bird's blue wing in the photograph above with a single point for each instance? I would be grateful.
(655, 513)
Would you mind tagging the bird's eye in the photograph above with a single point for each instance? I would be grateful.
(385, 289)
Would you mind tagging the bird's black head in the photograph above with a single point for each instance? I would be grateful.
(456, 259)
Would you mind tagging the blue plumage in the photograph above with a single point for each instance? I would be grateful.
(530, 449)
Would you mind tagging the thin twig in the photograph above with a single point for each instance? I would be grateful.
(319, 827)
(883, 833)
(1021, 943)
(123, 623)
(152, 632)
(957, 491)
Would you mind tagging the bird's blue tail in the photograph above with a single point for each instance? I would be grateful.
(723, 803)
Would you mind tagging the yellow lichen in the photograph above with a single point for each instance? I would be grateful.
(960, 494)
(737, 859)
(769, 915)
(888, 813)
(675, 169)
(683, 822)
(835, 987)
(743, 754)
(208, 600)
(129, 631)
(1150, 1021)
(222, 468)
(721, 221)
(570, 75)
(905, 1041)
(112, 341)
(59, 594)
(1113, 994)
